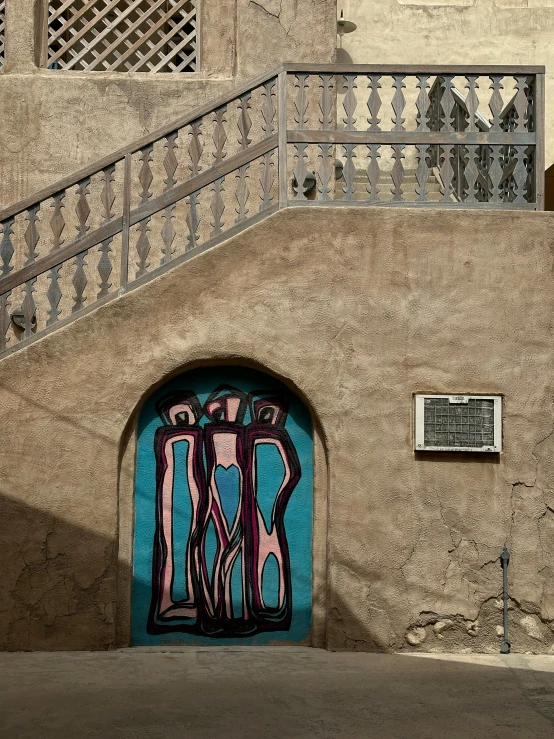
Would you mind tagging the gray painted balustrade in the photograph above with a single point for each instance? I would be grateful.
(443, 137)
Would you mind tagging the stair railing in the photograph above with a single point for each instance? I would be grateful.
(209, 175)
(508, 155)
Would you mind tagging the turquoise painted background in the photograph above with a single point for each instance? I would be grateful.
(298, 517)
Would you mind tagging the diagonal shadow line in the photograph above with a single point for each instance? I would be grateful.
(69, 420)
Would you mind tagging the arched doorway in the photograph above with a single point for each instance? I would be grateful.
(223, 512)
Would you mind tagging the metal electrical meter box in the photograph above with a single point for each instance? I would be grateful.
(458, 423)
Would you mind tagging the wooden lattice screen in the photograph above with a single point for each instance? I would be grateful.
(121, 35)
(2, 30)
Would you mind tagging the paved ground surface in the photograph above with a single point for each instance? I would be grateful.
(274, 693)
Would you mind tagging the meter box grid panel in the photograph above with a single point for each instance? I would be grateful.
(459, 423)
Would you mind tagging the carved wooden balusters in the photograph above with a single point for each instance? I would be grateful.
(520, 174)
(267, 180)
(6, 254)
(269, 128)
(374, 102)
(496, 172)
(325, 168)
(301, 103)
(6, 247)
(269, 111)
(242, 194)
(423, 104)
(349, 120)
(517, 117)
(446, 160)
(206, 148)
(105, 266)
(406, 136)
(244, 124)
(423, 125)
(223, 160)
(300, 169)
(471, 173)
(57, 222)
(145, 178)
(419, 136)
(195, 150)
(80, 277)
(448, 103)
(535, 103)
(170, 164)
(54, 292)
(217, 206)
(423, 173)
(531, 184)
(373, 172)
(327, 102)
(398, 102)
(397, 173)
(496, 102)
(28, 305)
(472, 101)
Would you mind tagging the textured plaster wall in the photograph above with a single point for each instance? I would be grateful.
(404, 301)
(455, 32)
(54, 122)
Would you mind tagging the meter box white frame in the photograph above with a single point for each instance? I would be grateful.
(419, 440)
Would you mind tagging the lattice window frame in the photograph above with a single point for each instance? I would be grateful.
(153, 36)
(2, 32)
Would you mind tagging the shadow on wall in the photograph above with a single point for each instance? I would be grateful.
(59, 585)
(59, 593)
(58, 582)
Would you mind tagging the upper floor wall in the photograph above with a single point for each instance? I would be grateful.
(455, 32)
(54, 121)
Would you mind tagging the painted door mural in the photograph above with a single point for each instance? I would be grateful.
(223, 512)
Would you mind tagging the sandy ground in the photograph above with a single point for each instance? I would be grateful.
(271, 693)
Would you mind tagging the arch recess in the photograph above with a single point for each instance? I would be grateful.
(223, 487)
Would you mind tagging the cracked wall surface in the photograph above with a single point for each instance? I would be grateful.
(96, 113)
(356, 309)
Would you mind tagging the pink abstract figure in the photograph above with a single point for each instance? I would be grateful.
(223, 443)
(181, 415)
(237, 525)
(269, 416)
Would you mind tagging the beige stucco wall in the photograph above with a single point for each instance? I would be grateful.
(53, 122)
(357, 309)
(455, 32)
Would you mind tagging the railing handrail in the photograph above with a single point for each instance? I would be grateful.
(136, 145)
(411, 69)
(108, 230)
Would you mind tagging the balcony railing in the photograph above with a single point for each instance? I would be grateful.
(445, 137)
